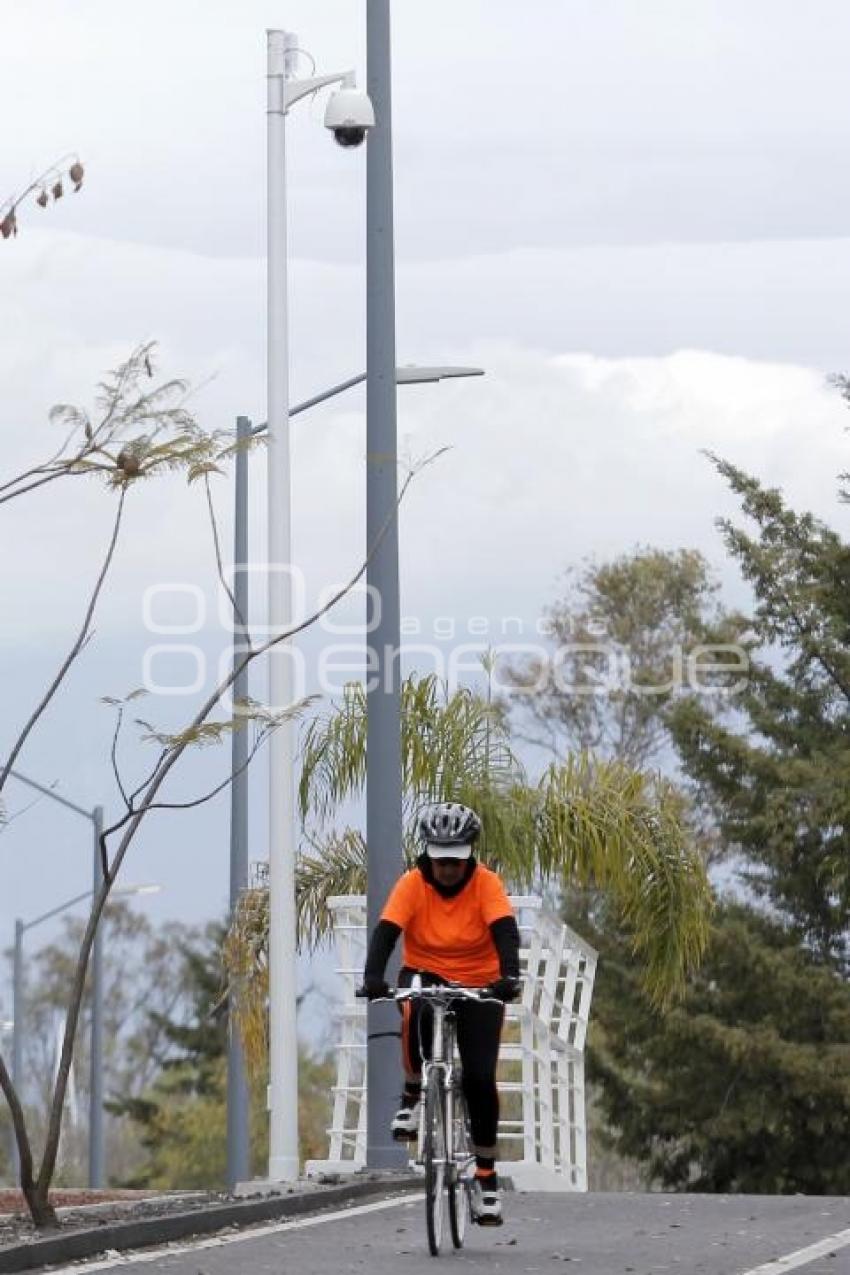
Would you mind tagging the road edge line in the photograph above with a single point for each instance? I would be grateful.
(802, 1256)
(75, 1246)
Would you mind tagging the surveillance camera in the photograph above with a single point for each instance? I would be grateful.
(349, 116)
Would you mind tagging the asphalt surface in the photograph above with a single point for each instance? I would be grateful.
(588, 1234)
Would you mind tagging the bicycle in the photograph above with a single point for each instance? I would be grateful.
(444, 1141)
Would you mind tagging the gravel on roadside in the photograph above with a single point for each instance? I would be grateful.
(90, 1211)
(78, 1209)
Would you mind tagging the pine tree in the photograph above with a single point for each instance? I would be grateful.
(742, 1086)
(180, 1108)
(745, 1086)
(777, 777)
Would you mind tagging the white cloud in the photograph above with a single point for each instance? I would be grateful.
(554, 457)
(555, 453)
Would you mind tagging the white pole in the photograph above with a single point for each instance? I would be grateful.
(283, 1043)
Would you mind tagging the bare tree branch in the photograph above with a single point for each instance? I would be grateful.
(114, 757)
(64, 469)
(38, 469)
(131, 822)
(135, 817)
(63, 1071)
(225, 783)
(81, 639)
(19, 1126)
(218, 562)
(134, 794)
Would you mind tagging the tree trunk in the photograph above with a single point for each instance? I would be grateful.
(41, 1210)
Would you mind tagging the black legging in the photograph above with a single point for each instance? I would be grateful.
(479, 1029)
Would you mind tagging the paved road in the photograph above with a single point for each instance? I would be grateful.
(585, 1234)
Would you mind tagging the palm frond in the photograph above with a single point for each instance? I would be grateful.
(605, 825)
(245, 960)
(443, 738)
(586, 823)
(335, 865)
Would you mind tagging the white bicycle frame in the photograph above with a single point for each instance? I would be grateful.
(456, 1172)
(442, 1059)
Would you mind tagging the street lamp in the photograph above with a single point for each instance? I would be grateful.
(410, 374)
(96, 1060)
(96, 1143)
(238, 1142)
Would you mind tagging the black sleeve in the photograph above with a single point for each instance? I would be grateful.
(506, 937)
(383, 941)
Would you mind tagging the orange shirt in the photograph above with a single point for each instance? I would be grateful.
(450, 937)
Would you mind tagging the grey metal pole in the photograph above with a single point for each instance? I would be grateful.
(383, 738)
(18, 1032)
(238, 1101)
(96, 1143)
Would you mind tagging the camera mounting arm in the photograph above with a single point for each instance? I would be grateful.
(294, 89)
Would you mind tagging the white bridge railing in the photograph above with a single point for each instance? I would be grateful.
(542, 1131)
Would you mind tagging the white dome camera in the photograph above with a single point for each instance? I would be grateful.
(349, 116)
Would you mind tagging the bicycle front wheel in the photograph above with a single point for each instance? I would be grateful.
(435, 1158)
(463, 1161)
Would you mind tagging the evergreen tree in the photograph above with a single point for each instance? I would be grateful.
(745, 1086)
(179, 1108)
(777, 777)
(638, 616)
(182, 1117)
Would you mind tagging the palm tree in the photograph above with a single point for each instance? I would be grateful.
(584, 823)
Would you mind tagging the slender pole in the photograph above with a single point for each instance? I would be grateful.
(383, 775)
(18, 1032)
(283, 1051)
(96, 1142)
(238, 1101)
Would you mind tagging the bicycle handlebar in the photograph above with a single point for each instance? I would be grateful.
(439, 991)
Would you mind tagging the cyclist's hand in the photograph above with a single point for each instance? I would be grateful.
(504, 989)
(373, 987)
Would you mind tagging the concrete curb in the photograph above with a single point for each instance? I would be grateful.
(73, 1246)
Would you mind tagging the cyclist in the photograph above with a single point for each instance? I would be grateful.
(458, 927)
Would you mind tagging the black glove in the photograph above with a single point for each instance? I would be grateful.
(504, 989)
(373, 987)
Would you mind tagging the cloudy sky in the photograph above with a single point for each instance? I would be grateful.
(631, 215)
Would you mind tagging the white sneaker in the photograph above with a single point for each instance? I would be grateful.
(487, 1203)
(405, 1124)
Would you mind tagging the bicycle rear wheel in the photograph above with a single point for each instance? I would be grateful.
(463, 1158)
(435, 1158)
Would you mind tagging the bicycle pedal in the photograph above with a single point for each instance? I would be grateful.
(489, 1221)
(405, 1135)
